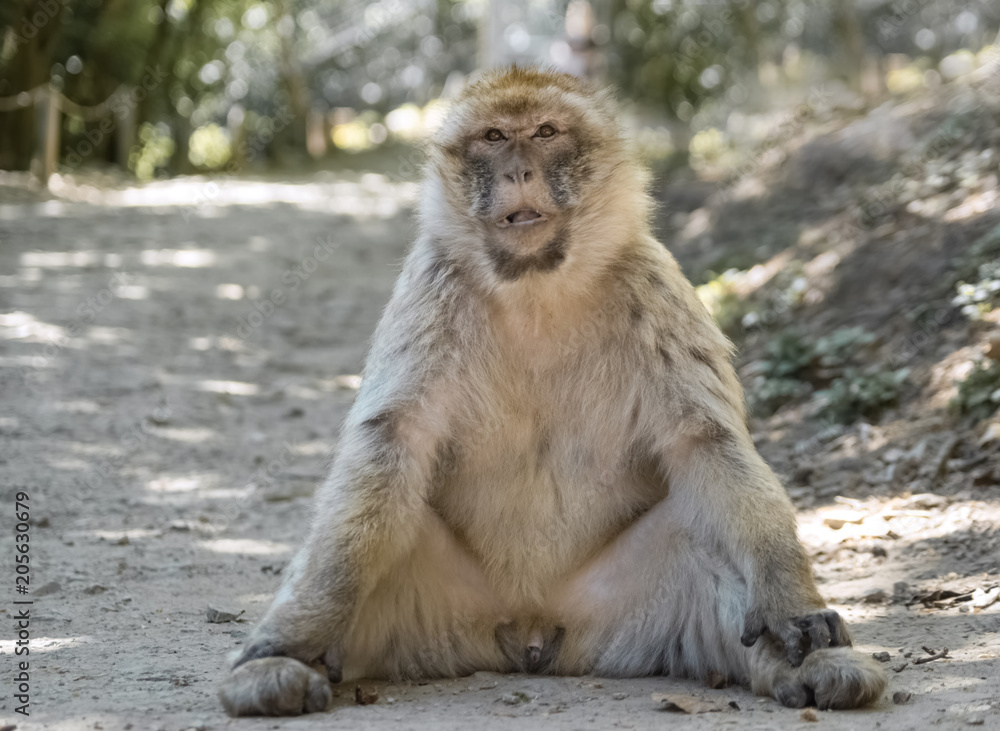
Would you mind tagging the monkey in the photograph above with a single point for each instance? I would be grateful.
(548, 466)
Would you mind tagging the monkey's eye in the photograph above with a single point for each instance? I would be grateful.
(546, 130)
(494, 135)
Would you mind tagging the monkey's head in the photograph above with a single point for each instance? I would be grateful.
(521, 156)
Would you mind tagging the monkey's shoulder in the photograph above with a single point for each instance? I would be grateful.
(668, 324)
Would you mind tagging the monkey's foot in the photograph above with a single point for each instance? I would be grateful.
(274, 686)
(832, 679)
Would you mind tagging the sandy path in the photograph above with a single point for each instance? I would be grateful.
(168, 434)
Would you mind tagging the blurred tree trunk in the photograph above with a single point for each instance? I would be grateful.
(105, 83)
(749, 29)
(847, 29)
(293, 136)
(30, 67)
(746, 20)
(167, 48)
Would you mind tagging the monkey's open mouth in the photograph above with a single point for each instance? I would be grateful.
(522, 217)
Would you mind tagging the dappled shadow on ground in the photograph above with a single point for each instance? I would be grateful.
(183, 357)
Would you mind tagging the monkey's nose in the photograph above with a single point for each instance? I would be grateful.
(519, 175)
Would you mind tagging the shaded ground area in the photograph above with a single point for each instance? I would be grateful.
(173, 380)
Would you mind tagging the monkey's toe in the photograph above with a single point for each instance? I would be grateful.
(834, 678)
(793, 695)
(842, 678)
(274, 686)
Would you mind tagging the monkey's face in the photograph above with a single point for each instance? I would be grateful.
(521, 175)
(517, 156)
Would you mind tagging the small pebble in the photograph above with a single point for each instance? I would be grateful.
(53, 587)
(875, 596)
(619, 696)
(221, 616)
(809, 715)
(901, 697)
(881, 656)
(365, 695)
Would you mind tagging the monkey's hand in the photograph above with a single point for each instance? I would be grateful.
(800, 635)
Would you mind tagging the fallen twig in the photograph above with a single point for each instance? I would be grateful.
(934, 656)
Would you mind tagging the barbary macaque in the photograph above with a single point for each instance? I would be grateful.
(548, 467)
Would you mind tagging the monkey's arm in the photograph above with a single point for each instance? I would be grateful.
(368, 512)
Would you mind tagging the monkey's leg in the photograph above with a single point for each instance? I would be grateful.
(433, 615)
(663, 598)
(655, 600)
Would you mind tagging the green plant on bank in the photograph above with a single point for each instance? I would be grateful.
(840, 348)
(830, 369)
(720, 296)
(767, 395)
(986, 246)
(738, 312)
(978, 299)
(861, 393)
(979, 393)
(977, 276)
(791, 355)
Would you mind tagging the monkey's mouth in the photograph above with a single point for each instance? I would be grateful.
(522, 217)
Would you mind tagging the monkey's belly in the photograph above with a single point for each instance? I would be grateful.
(532, 529)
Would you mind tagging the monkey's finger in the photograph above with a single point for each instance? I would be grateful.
(753, 628)
(792, 637)
(334, 669)
(840, 636)
(816, 627)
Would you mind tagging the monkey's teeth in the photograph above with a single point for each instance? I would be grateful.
(524, 216)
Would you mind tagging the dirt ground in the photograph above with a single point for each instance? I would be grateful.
(169, 432)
